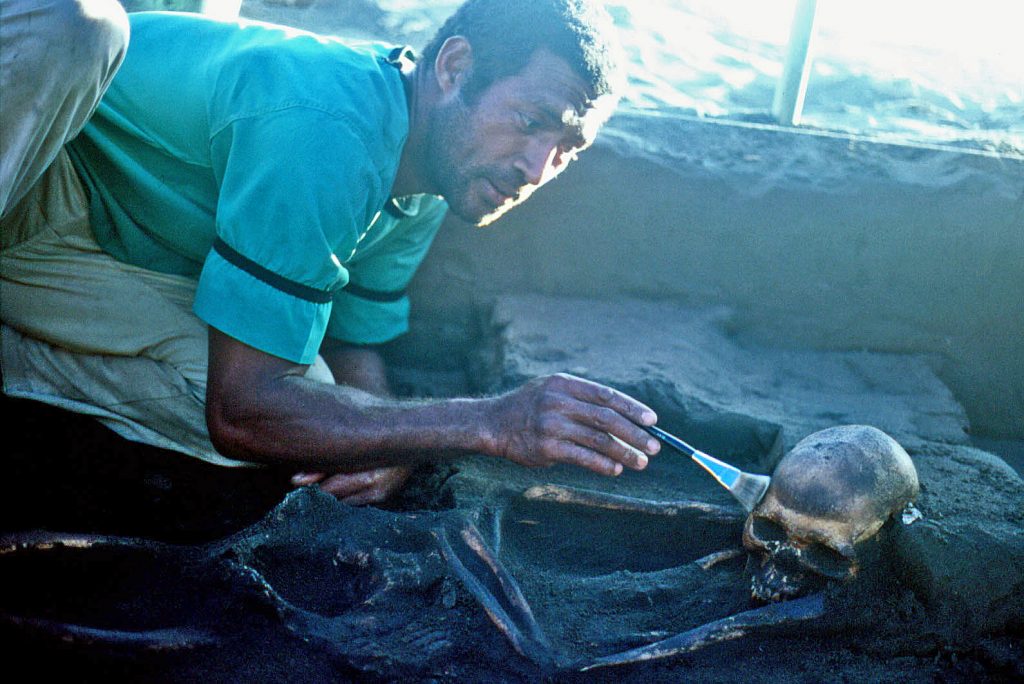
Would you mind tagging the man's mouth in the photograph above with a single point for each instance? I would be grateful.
(496, 195)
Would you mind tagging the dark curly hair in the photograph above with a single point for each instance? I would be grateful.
(504, 34)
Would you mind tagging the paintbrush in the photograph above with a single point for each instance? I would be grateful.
(747, 488)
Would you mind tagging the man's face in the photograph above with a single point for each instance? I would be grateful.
(521, 132)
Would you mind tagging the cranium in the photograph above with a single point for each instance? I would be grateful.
(832, 492)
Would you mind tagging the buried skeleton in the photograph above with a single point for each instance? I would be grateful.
(386, 581)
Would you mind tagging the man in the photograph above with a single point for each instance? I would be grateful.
(232, 233)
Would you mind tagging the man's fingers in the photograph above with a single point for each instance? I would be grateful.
(370, 495)
(565, 419)
(569, 452)
(366, 487)
(303, 479)
(604, 420)
(344, 485)
(607, 445)
(602, 395)
(635, 459)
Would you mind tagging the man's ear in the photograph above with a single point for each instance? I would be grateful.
(453, 64)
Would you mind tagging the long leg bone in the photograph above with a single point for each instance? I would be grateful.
(712, 559)
(42, 541)
(732, 627)
(151, 640)
(496, 591)
(705, 512)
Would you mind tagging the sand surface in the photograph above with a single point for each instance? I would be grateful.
(875, 70)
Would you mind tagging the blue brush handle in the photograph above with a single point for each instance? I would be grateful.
(672, 440)
(726, 474)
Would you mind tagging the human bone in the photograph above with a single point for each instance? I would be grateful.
(832, 492)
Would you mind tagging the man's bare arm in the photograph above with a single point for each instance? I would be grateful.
(355, 366)
(261, 408)
(362, 368)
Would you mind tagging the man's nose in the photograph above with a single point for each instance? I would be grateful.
(537, 163)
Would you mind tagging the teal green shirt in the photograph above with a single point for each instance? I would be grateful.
(260, 159)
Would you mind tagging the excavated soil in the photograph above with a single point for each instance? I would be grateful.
(218, 575)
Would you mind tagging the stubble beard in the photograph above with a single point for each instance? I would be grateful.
(450, 127)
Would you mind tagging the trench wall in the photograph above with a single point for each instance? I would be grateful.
(814, 240)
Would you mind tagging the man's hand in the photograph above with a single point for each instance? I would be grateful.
(263, 408)
(357, 489)
(364, 369)
(566, 419)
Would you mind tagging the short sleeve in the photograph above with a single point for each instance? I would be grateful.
(296, 188)
(374, 308)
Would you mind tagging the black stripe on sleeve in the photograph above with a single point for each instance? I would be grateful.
(374, 295)
(310, 294)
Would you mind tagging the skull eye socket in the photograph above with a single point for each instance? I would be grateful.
(768, 531)
(827, 561)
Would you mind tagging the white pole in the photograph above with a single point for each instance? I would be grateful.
(222, 9)
(790, 91)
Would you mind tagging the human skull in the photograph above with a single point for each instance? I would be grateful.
(833, 491)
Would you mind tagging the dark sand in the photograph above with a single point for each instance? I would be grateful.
(318, 591)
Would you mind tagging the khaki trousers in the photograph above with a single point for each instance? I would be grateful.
(56, 59)
(88, 333)
(80, 329)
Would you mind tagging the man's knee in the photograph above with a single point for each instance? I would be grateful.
(56, 60)
(76, 41)
(99, 32)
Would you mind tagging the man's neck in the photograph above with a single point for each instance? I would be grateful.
(410, 179)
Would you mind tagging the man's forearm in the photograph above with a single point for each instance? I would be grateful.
(360, 367)
(262, 408)
(292, 419)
